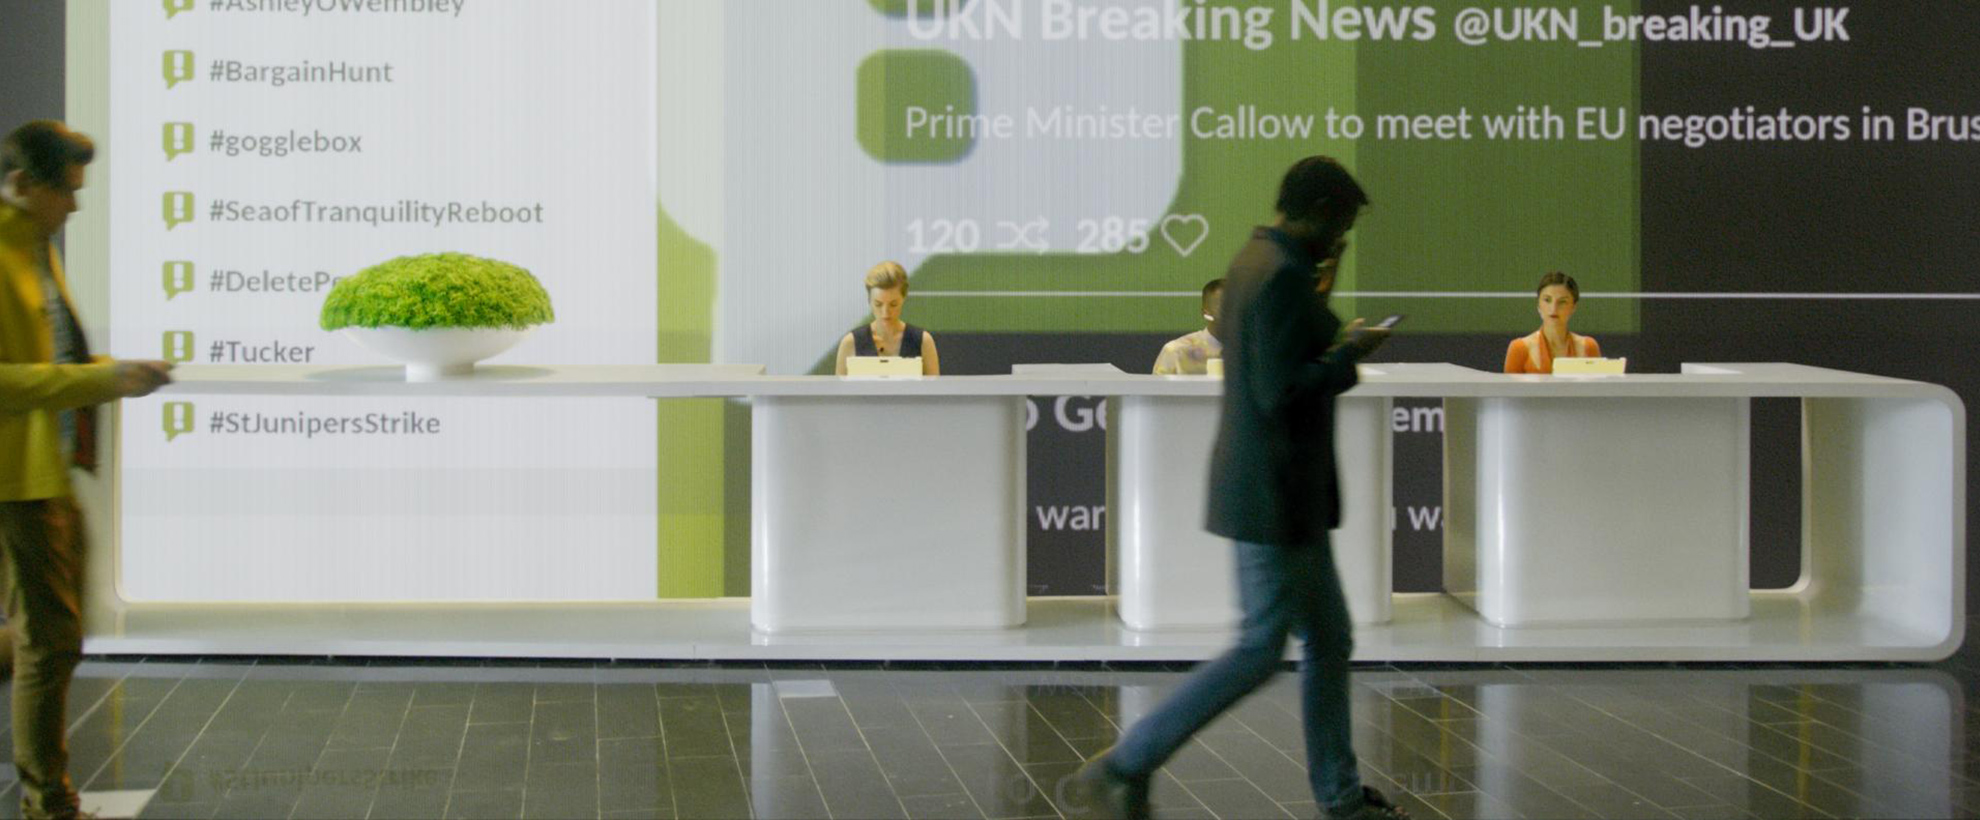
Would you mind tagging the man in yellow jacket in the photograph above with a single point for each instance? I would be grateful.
(49, 386)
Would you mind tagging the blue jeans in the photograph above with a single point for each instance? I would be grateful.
(1282, 590)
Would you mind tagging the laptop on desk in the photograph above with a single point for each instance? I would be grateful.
(883, 366)
(1589, 366)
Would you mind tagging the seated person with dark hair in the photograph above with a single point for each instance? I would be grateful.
(1188, 355)
(1535, 352)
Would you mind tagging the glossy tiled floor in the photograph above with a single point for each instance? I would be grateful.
(351, 738)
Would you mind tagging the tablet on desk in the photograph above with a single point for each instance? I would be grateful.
(1589, 366)
(883, 366)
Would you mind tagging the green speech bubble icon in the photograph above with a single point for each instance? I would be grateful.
(178, 419)
(178, 279)
(178, 208)
(178, 67)
(178, 139)
(173, 7)
(178, 347)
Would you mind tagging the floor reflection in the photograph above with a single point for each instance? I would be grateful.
(379, 739)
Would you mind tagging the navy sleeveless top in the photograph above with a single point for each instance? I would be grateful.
(910, 342)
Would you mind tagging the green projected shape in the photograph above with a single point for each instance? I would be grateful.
(1230, 183)
(899, 8)
(1486, 215)
(1449, 215)
(703, 517)
(893, 81)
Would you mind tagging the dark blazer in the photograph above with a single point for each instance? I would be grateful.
(1272, 477)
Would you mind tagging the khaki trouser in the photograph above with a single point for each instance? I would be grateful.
(41, 578)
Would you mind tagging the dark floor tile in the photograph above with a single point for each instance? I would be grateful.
(149, 754)
(707, 787)
(1236, 798)
(1269, 769)
(952, 724)
(1281, 728)
(295, 742)
(877, 710)
(627, 710)
(1807, 787)
(639, 814)
(786, 798)
(1905, 793)
(200, 776)
(1166, 792)
(167, 811)
(561, 791)
(1073, 715)
(430, 737)
(1405, 765)
(505, 804)
(941, 807)
(1439, 707)
(632, 774)
(822, 724)
(256, 793)
(1194, 761)
(1612, 802)
(503, 703)
(767, 761)
(371, 719)
(251, 708)
(1025, 733)
(565, 692)
(319, 696)
(412, 794)
(693, 727)
(494, 757)
(443, 693)
(342, 784)
(1527, 795)
(1715, 812)
(764, 727)
(911, 763)
(1001, 788)
(1062, 786)
(1755, 798)
(564, 732)
(1469, 806)
(854, 786)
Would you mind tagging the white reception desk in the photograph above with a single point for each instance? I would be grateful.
(1589, 519)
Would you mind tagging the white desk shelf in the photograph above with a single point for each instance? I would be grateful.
(1884, 534)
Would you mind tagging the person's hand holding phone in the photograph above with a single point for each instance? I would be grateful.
(1363, 339)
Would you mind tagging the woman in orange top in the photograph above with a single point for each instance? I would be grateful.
(1535, 352)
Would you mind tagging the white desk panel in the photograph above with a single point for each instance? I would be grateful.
(1885, 512)
(887, 513)
(1168, 572)
(1592, 510)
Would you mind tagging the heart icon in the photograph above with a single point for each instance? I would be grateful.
(1185, 231)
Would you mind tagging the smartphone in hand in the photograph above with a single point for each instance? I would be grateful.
(1392, 320)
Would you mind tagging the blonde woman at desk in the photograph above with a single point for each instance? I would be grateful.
(1536, 351)
(887, 334)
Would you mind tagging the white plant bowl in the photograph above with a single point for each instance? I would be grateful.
(437, 353)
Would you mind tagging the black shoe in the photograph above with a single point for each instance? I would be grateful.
(1371, 806)
(1097, 791)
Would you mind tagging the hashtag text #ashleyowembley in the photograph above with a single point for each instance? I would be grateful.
(306, 8)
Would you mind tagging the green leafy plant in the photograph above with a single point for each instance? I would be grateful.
(438, 290)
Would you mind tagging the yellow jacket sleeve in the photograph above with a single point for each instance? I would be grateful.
(29, 387)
